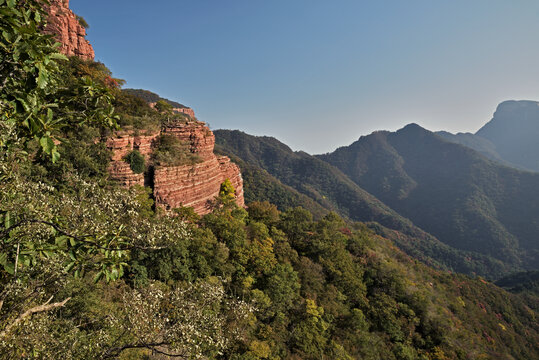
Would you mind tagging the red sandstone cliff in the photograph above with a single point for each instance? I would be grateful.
(174, 186)
(64, 25)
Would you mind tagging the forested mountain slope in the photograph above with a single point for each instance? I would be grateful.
(451, 191)
(477, 143)
(333, 190)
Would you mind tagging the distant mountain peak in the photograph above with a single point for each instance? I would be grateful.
(514, 130)
(510, 105)
(515, 111)
(413, 129)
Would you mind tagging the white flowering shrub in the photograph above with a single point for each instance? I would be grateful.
(51, 239)
(193, 321)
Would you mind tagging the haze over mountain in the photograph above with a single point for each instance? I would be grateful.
(511, 137)
(451, 191)
(465, 189)
(514, 130)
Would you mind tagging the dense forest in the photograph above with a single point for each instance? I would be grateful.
(332, 189)
(90, 270)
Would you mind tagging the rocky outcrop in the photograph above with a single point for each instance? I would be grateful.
(197, 135)
(121, 145)
(196, 185)
(187, 111)
(193, 185)
(66, 28)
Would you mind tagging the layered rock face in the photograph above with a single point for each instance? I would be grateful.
(196, 185)
(123, 144)
(66, 28)
(174, 186)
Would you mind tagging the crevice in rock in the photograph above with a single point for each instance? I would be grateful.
(149, 182)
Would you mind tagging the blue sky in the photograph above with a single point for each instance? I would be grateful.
(319, 74)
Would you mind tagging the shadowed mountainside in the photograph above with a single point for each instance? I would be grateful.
(333, 190)
(451, 191)
(477, 143)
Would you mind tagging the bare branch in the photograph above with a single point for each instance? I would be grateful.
(31, 311)
(113, 352)
(17, 258)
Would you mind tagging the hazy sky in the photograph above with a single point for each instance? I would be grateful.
(319, 74)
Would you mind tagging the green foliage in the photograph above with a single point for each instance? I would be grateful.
(227, 193)
(163, 107)
(319, 288)
(527, 281)
(33, 102)
(273, 171)
(79, 152)
(88, 270)
(264, 212)
(170, 151)
(29, 64)
(135, 113)
(187, 214)
(150, 97)
(136, 161)
(83, 22)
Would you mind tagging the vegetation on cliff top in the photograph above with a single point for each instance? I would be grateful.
(151, 97)
(170, 151)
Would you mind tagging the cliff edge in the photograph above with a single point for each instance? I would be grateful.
(68, 30)
(192, 185)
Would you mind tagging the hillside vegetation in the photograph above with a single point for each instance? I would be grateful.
(333, 190)
(89, 270)
(151, 97)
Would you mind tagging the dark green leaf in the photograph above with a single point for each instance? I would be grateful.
(8, 220)
(47, 144)
(98, 276)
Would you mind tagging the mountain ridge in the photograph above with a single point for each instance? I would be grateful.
(422, 177)
(332, 189)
